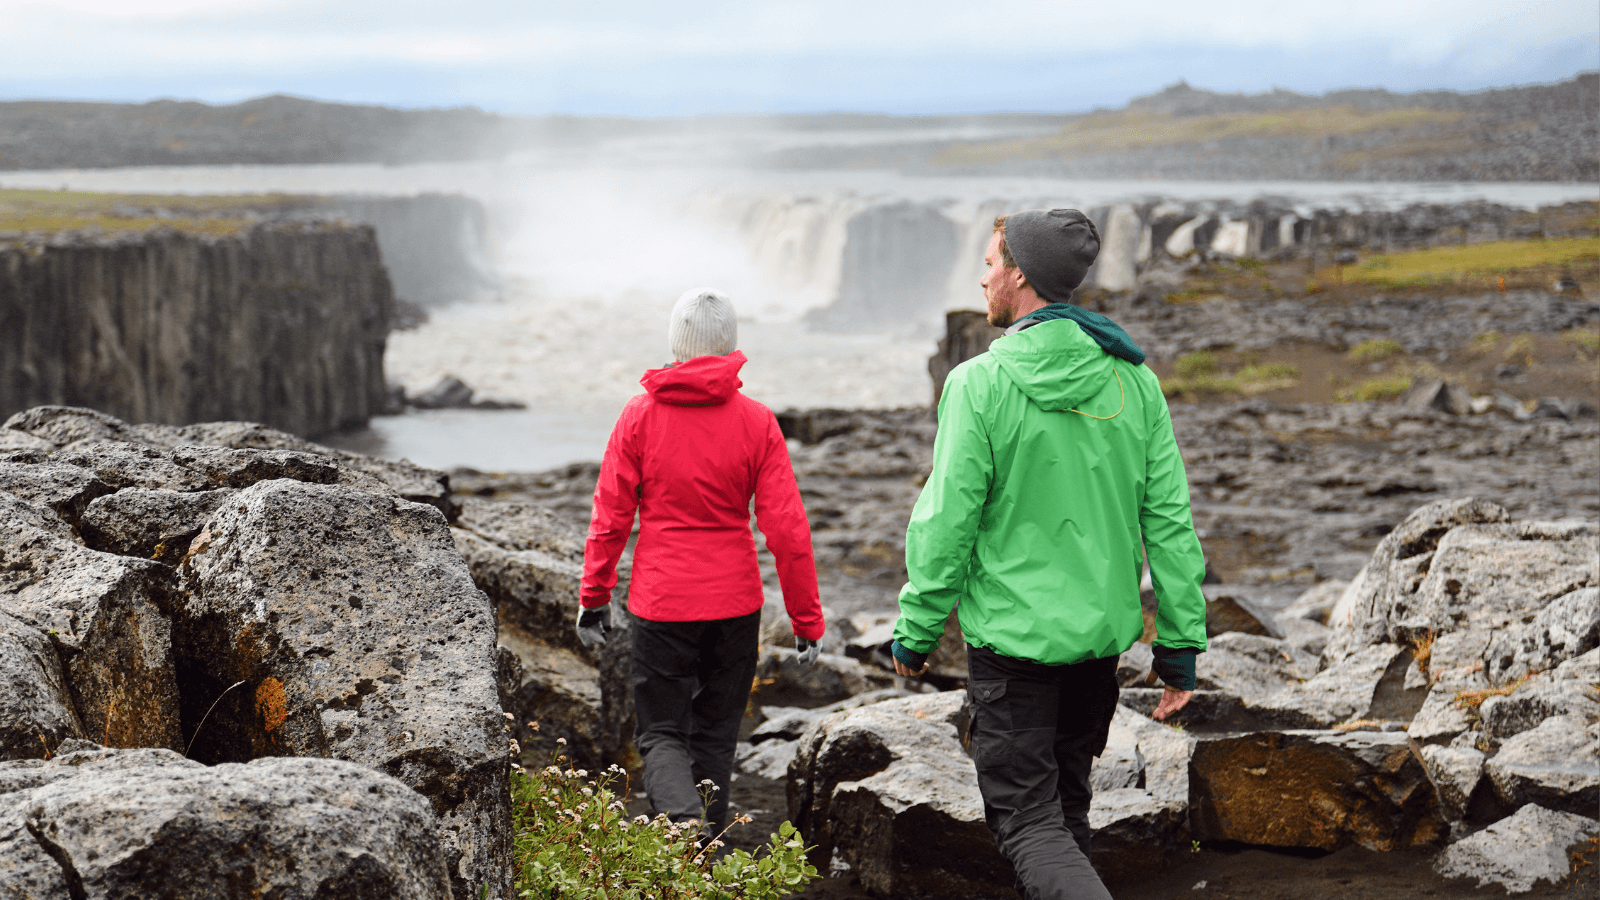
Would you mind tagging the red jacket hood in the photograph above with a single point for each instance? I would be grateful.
(702, 381)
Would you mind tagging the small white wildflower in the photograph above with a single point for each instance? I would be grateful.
(594, 827)
(641, 820)
(561, 740)
(588, 793)
(515, 747)
(509, 716)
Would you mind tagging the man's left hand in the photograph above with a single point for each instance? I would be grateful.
(902, 666)
(1172, 700)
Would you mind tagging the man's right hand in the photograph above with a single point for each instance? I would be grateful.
(908, 662)
(1172, 700)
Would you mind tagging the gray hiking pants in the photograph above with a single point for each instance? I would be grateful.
(1035, 731)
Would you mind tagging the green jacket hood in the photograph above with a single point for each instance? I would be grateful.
(1054, 363)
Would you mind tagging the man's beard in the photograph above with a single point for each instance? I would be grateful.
(1001, 317)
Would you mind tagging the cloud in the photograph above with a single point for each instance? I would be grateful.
(666, 58)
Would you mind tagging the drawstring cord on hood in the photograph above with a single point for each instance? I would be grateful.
(1119, 406)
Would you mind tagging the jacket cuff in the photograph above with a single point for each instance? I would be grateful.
(911, 658)
(594, 602)
(1175, 666)
(812, 632)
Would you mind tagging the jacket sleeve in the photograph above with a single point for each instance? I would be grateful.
(616, 498)
(781, 516)
(1177, 564)
(944, 522)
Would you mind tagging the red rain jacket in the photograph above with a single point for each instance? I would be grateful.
(688, 455)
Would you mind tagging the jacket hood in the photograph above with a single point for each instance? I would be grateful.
(702, 381)
(1054, 363)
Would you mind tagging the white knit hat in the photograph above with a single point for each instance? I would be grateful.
(703, 324)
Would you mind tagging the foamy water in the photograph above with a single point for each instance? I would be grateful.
(589, 256)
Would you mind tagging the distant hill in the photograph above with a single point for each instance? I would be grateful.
(1532, 133)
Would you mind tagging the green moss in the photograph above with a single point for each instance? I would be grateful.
(1377, 389)
(1197, 364)
(1373, 351)
(1473, 262)
(1584, 339)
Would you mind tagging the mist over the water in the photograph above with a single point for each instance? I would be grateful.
(588, 250)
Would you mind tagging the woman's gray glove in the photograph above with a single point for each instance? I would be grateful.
(808, 651)
(594, 625)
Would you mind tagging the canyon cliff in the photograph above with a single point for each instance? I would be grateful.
(276, 322)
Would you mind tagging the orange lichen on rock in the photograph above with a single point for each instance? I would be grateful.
(271, 704)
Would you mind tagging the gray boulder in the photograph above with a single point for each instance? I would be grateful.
(1498, 577)
(1315, 790)
(357, 634)
(1520, 851)
(1569, 626)
(1147, 819)
(65, 490)
(1381, 593)
(1554, 765)
(1227, 610)
(887, 790)
(1250, 666)
(149, 523)
(102, 615)
(1317, 602)
(1456, 773)
(1134, 665)
(36, 710)
(830, 679)
(1535, 700)
(529, 563)
(117, 823)
(1365, 685)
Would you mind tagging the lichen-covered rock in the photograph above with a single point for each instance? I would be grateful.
(127, 823)
(1455, 772)
(103, 615)
(1533, 701)
(122, 464)
(1349, 689)
(1520, 851)
(36, 712)
(357, 634)
(1380, 595)
(1495, 577)
(1315, 790)
(1555, 765)
(1569, 626)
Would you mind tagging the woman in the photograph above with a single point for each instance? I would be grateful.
(688, 455)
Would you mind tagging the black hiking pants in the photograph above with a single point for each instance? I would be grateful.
(1035, 731)
(691, 681)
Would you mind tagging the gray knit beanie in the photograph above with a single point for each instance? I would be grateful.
(1054, 248)
(703, 324)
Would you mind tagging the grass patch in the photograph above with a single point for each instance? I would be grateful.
(1111, 132)
(1374, 351)
(1376, 389)
(573, 838)
(1583, 338)
(1460, 264)
(49, 212)
(1199, 374)
(1521, 347)
(1193, 365)
(1484, 342)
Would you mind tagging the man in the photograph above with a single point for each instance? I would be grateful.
(1055, 475)
(689, 454)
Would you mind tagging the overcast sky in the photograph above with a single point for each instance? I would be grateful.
(663, 58)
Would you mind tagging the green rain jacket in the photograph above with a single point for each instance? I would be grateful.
(1033, 516)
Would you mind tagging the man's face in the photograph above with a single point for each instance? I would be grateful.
(1001, 285)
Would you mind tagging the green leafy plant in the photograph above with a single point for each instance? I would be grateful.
(574, 838)
(1191, 365)
(1376, 389)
